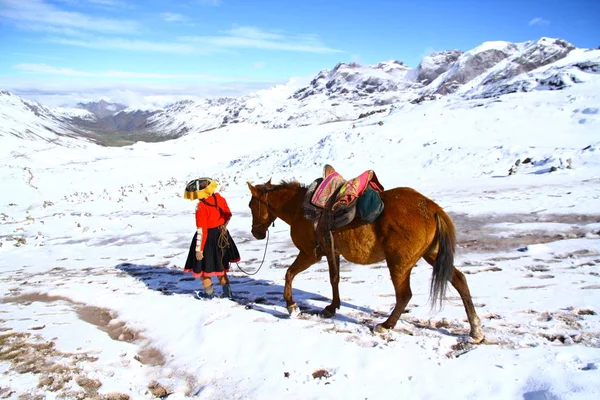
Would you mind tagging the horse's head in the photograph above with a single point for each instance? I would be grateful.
(262, 211)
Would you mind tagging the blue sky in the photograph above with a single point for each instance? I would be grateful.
(230, 47)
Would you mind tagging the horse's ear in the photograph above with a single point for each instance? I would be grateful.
(252, 189)
(268, 183)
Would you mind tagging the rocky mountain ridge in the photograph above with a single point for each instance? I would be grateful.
(346, 92)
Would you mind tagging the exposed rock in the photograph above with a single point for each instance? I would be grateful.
(102, 108)
(354, 81)
(436, 64)
(534, 55)
(472, 64)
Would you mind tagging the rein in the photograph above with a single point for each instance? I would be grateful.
(267, 231)
(261, 263)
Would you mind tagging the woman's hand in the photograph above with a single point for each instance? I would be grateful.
(199, 255)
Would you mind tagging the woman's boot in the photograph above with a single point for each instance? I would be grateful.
(227, 291)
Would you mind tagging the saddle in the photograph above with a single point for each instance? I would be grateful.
(332, 202)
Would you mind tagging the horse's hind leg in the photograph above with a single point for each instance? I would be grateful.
(460, 284)
(400, 274)
(302, 262)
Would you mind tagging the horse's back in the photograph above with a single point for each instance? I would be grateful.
(405, 200)
(407, 222)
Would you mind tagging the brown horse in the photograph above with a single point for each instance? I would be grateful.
(410, 227)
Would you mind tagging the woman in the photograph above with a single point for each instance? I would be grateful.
(212, 248)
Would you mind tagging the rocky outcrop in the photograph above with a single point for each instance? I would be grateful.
(353, 81)
(102, 108)
(533, 55)
(436, 64)
(472, 64)
(129, 121)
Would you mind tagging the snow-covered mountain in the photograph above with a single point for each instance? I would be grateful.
(436, 64)
(494, 63)
(102, 108)
(351, 91)
(346, 92)
(24, 119)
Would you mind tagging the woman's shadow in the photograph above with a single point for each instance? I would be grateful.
(255, 294)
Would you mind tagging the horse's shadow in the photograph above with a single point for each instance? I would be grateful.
(256, 294)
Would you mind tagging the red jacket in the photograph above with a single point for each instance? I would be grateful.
(211, 213)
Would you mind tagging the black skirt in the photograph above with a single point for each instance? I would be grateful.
(218, 253)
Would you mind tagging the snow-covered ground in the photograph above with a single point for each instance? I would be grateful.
(94, 240)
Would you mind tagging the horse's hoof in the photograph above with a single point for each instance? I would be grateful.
(293, 310)
(325, 313)
(477, 338)
(379, 328)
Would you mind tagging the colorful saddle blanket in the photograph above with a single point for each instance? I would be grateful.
(345, 192)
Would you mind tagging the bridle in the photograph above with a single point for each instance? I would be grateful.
(271, 220)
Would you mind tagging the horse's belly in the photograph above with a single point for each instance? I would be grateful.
(359, 246)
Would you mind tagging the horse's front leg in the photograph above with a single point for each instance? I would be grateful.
(334, 278)
(302, 262)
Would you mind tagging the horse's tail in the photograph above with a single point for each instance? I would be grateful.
(444, 262)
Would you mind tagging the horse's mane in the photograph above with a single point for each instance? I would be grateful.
(267, 188)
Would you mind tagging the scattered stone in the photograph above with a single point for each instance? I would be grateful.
(586, 312)
(321, 373)
(368, 114)
(46, 381)
(157, 389)
(37, 327)
(87, 383)
(420, 99)
(116, 396)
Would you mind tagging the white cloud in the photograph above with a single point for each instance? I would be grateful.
(111, 3)
(45, 69)
(259, 64)
(256, 38)
(240, 37)
(173, 17)
(68, 91)
(107, 4)
(39, 15)
(82, 30)
(539, 21)
(128, 44)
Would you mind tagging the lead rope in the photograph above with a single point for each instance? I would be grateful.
(261, 263)
(266, 245)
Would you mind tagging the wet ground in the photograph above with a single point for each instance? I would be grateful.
(476, 233)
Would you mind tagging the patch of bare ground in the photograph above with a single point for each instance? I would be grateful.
(56, 370)
(475, 233)
(64, 373)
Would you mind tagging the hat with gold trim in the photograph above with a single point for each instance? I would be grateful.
(200, 188)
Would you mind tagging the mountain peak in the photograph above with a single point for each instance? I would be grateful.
(102, 108)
